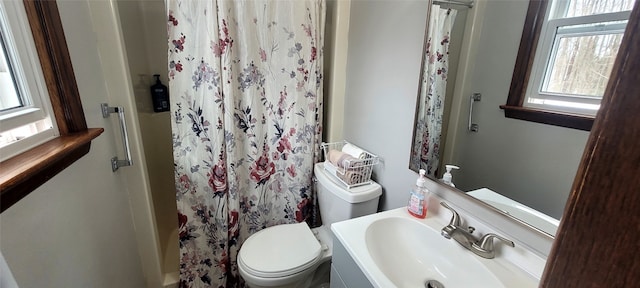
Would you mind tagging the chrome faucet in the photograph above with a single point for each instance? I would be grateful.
(482, 247)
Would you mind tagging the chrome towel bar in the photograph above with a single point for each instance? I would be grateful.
(115, 162)
(475, 97)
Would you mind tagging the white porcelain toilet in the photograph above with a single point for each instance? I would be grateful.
(289, 255)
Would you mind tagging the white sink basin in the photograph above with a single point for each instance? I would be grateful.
(525, 213)
(394, 249)
(410, 253)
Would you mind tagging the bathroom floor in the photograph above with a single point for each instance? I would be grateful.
(172, 260)
(321, 276)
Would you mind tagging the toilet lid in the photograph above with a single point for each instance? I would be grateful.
(280, 250)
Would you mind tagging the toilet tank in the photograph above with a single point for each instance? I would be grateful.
(337, 203)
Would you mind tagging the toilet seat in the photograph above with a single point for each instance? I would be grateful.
(280, 251)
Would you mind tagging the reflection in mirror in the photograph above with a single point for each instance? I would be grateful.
(438, 72)
(509, 163)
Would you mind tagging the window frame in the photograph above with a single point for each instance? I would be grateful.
(27, 75)
(22, 174)
(522, 72)
(548, 50)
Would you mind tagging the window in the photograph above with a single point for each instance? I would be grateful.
(23, 173)
(565, 60)
(25, 110)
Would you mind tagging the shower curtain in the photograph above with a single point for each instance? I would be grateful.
(246, 105)
(433, 86)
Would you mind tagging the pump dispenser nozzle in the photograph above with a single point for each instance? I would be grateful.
(422, 179)
(447, 177)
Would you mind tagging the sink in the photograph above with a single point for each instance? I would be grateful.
(525, 213)
(395, 249)
(410, 253)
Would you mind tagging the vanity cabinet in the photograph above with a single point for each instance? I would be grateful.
(345, 272)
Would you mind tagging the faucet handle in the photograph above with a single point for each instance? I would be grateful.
(486, 243)
(455, 218)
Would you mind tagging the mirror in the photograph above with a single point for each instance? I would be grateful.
(521, 168)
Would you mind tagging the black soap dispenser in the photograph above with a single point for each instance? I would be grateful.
(159, 95)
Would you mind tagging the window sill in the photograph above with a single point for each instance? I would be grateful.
(573, 121)
(25, 172)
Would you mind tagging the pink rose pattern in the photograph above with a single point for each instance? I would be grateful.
(246, 122)
(262, 170)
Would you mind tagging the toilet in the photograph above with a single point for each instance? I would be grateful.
(289, 255)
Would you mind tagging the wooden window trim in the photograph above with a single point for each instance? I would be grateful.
(597, 241)
(522, 72)
(22, 174)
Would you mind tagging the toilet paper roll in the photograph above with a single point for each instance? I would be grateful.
(352, 177)
(354, 151)
(341, 159)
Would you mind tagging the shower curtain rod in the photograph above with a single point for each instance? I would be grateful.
(454, 2)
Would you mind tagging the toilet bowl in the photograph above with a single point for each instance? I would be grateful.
(283, 255)
(288, 255)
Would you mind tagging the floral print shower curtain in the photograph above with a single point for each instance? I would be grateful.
(433, 87)
(246, 104)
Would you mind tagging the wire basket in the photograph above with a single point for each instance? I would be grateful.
(351, 171)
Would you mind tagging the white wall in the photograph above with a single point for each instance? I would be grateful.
(77, 229)
(145, 35)
(532, 163)
(385, 44)
(335, 60)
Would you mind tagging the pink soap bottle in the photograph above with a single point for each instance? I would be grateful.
(418, 197)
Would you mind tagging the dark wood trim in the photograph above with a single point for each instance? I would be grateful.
(597, 241)
(51, 45)
(526, 51)
(522, 72)
(574, 121)
(24, 173)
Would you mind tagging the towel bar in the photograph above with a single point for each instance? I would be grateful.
(115, 162)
